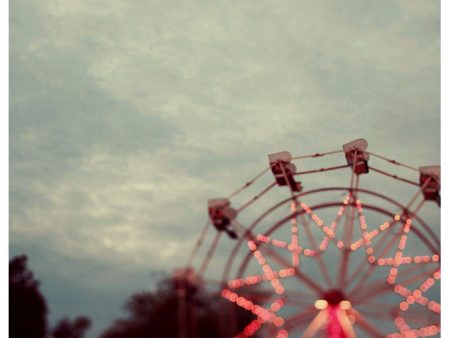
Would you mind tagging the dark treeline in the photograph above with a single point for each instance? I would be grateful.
(28, 308)
(154, 314)
(148, 314)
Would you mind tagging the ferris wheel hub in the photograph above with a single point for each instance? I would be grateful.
(334, 296)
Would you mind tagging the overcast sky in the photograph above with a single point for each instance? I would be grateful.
(126, 116)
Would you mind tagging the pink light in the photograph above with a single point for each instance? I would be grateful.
(305, 208)
(237, 283)
(392, 275)
(278, 243)
(308, 252)
(266, 268)
(278, 321)
(275, 306)
(263, 238)
(282, 334)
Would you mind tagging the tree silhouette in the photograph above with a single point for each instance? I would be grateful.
(27, 306)
(71, 329)
(155, 314)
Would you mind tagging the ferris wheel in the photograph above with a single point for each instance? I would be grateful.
(309, 256)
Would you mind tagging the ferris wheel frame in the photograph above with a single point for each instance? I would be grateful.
(224, 218)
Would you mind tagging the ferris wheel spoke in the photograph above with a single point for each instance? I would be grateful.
(302, 294)
(393, 161)
(370, 291)
(292, 298)
(381, 286)
(315, 324)
(363, 264)
(401, 235)
(416, 316)
(370, 249)
(418, 277)
(256, 295)
(345, 255)
(421, 271)
(346, 324)
(348, 231)
(248, 183)
(416, 266)
(374, 305)
(313, 243)
(380, 314)
(417, 194)
(256, 197)
(377, 311)
(359, 283)
(386, 249)
(199, 243)
(321, 170)
(299, 319)
(329, 232)
(317, 154)
(284, 263)
(210, 253)
(329, 235)
(383, 228)
(390, 244)
(394, 176)
(301, 276)
(430, 330)
(296, 301)
(294, 235)
(361, 322)
(357, 272)
(349, 228)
